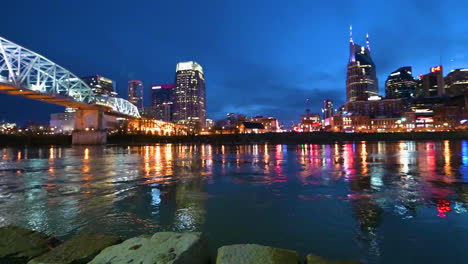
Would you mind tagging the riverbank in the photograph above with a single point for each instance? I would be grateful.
(270, 138)
(21, 245)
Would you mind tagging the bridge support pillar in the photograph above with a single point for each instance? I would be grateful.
(89, 128)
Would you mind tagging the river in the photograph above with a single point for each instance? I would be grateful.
(378, 202)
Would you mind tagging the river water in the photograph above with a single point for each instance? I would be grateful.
(378, 202)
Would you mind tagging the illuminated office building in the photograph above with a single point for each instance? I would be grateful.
(456, 82)
(361, 77)
(400, 84)
(161, 101)
(135, 93)
(431, 84)
(327, 109)
(189, 105)
(101, 86)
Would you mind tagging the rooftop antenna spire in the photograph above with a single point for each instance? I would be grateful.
(367, 42)
(352, 51)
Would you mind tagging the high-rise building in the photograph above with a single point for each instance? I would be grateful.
(327, 109)
(101, 86)
(456, 82)
(135, 93)
(361, 77)
(431, 84)
(189, 106)
(161, 101)
(400, 84)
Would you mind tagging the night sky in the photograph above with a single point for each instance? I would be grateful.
(259, 57)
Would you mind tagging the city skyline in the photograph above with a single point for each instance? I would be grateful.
(264, 77)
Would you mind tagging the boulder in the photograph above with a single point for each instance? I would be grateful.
(18, 245)
(252, 253)
(311, 259)
(163, 247)
(80, 249)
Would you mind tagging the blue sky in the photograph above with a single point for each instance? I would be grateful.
(259, 57)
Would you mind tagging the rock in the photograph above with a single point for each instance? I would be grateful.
(252, 253)
(80, 249)
(18, 245)
(163, 247)
(311, 259)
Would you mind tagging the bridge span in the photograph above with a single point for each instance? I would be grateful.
(27, 74)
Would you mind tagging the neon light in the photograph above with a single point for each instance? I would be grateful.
(436, 69)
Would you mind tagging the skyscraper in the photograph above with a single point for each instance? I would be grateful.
(161, 101)
(189, 95)
(135, 93)
(101, 86)
(400, 84)
(361, 77)
(327, 109)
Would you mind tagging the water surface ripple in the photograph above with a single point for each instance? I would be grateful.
(378, 202)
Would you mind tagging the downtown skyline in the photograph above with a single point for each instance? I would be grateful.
(250, 68)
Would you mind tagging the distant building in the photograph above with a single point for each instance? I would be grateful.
(431, 84)
(400, 84)
(327, 109)
(310, 122)
(456, 82)
(6, 126)
(65, 122)
(361, 77)
(100, 85)
(62, 122)
(209, 123)
(251, 127)
(135, 93)
(270, 124)
(162, 101)
(189, 106)
(376, 107)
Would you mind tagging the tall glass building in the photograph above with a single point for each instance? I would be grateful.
(189, 105)
(101, 86)
(400, 84)
(327, 109)
(161, 101)
(361, 77)
(135, 93)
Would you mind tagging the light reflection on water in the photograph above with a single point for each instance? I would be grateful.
(376, 202)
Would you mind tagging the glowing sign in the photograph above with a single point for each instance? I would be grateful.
(436, 69)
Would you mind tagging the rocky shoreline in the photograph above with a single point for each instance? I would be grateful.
(21, 245)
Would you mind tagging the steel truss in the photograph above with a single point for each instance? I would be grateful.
(25, 69)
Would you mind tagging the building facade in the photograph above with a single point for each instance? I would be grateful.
(376, 107)
(361, 76)
(456, 82)
(162, 101)
(310, 122)
(400, 84)
(189, 106)
(327, 109)
(101, 86)
(431, 84)
(135, 93)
